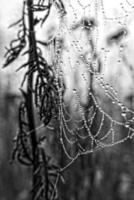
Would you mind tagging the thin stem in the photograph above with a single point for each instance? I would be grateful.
(30, 105)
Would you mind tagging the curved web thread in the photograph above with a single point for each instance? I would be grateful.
(76, 133)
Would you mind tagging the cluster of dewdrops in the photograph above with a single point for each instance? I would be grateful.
(70, 136)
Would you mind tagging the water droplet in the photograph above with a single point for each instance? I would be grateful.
(107, 85)
(106, 90)
(123, 114)
(74, 90)
(123, 111)
(119, 104)
(127, 125)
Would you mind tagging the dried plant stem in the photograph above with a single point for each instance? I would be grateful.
(30, 109)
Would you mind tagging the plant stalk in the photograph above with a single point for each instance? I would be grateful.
(30, 103)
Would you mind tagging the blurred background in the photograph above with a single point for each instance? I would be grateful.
(107, 174)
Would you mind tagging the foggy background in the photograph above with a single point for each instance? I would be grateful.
(112, 170)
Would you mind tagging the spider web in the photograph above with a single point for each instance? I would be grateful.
(85, 124)
(87, 128)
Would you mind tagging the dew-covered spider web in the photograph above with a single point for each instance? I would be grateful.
(81, 61)
(79, 47)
